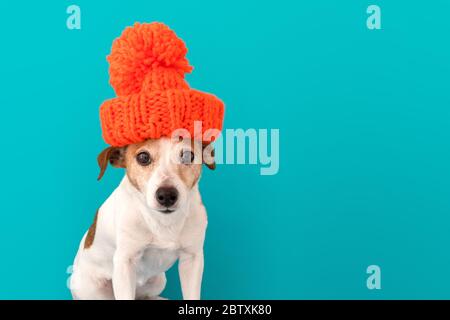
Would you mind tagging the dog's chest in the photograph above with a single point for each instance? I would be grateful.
(154, 261)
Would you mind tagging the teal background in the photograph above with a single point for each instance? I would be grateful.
(364, 152)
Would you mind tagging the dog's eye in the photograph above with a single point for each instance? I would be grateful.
(187, 157)
(143, 158)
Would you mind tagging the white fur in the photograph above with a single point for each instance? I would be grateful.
(135, 245)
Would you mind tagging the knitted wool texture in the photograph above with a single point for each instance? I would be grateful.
(147, 66)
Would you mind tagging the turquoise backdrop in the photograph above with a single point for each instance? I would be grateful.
(364, 119)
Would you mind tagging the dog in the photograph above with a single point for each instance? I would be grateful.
(154, 217)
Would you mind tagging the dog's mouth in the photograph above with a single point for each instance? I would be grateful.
(166, 210)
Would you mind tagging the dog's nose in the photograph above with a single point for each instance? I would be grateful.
(167, 196)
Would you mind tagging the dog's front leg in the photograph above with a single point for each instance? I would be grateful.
(190, 268)
(124, 276)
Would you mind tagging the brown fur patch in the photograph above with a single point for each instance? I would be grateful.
(91, 233)
(189, 174)
(138, 175)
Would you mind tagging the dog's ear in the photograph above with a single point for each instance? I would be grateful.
(114, 155)
(208, 156)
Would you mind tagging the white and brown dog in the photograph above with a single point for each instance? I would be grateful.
(153, 218)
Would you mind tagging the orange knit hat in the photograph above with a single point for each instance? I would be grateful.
(147, 66)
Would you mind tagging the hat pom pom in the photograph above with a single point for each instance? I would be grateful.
(140, 49)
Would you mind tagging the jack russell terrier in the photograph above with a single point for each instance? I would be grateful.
(154, 217)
